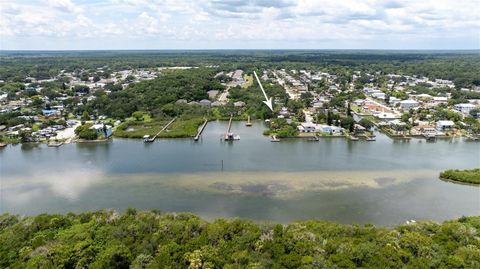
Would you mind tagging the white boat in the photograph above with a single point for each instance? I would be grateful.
(147, 139)
(274, 139)
(231, 137)
(55, 144)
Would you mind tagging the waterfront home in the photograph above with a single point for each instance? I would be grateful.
(102, 129)
(425, 130)
(397, 125)
(464, 108)
(307, 127)
(444, 125)
(329, 129)
(359, 129)
(408, 104)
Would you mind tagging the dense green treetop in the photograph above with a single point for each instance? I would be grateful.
(106, 239)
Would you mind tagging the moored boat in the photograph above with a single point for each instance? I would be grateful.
(274, 139)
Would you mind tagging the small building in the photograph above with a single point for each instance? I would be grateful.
(284, 112)
(359, 102)
(239, 104)
(212, 94)
(439, 100)
(359, 129)
(464, 108)
(408, 104)
(444, 125)
(216, 104)
(102, 129)
(50, 112)
(397, 125)
(205, 102)
(394, 100)
(379, 95)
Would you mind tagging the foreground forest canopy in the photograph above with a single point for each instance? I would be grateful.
(106, 239)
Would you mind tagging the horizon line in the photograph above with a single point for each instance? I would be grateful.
(249, 49)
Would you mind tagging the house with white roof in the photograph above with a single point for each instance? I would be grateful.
(102, 129)
(464, 108)
(408, 104)
(307, 127)
(443, 125)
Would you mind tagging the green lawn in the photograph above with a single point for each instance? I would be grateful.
(182, 128)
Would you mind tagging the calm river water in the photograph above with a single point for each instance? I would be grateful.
(385, 182)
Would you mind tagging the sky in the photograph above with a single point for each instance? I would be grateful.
(239, 24)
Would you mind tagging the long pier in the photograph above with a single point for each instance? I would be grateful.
(200, 131)
(163, 129)
(229, 136)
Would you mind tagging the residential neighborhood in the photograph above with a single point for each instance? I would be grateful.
(313, 102)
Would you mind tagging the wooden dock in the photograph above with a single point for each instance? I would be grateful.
(163, 129)
(200, 131)
(229, 136)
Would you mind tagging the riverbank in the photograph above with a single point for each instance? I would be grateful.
(471, 177)
(104, 239)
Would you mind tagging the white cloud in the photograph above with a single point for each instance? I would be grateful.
(287, 23)
(65, 6)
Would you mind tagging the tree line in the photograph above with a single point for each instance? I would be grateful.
(107, 239)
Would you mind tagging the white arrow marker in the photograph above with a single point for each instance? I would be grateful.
(268, 101)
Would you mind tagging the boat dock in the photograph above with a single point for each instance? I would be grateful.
(249, 123)
(353, 138)
(151, 139)
(471, 137)
(369, 138)
(55, 144)
(430, 137)
(229, 136)
(200, 131)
